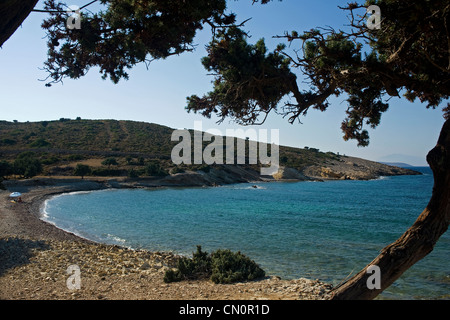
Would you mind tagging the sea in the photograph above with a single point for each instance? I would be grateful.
(317, 230)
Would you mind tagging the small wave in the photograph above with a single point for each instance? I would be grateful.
(115, 238)
(76, 193)
(43, 210)
(257, 187)
(381, 178)
(73, 193)
(253, 187)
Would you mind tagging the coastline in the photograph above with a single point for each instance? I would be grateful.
(35, 256)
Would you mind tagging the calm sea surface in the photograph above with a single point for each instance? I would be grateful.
(319, 230)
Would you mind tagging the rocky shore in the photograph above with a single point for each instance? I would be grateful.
(35, 257)
(351, 168)
(37, 269)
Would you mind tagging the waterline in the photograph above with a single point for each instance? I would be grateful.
(313, 230)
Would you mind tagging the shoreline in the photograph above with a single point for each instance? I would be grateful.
(35, 255)
(35, 193)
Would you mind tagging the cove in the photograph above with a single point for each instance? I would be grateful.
(302, 229)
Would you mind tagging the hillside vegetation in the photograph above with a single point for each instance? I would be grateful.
(125, 148)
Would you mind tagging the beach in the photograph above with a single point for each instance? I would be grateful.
(35, 257)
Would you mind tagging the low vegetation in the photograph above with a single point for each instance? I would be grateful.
(106, 148)
(221, 266)
(26, 165)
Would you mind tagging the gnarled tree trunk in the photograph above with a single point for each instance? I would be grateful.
(419, 240)
(12, 14)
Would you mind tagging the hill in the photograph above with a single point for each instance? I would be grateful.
(139, 149)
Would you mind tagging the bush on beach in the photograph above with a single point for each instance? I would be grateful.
(221, 266)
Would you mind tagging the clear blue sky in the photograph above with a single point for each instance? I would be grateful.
(158, 95)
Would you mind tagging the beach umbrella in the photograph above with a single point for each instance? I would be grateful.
(15, 194)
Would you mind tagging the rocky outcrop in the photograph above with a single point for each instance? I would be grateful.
(286, 173)
(351, 168)
(221, 175)
(346, 168)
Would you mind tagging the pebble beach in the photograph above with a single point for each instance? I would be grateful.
(35, 261)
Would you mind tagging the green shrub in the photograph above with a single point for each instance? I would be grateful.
(27, 165)
(222, 266)
(75, 157)
(155, 169)
(8, 142)
(199, 267)
(172, 276)
(51, 160)
(82, 170)
(230, 267)
(40, 143)
(110, 162)
(132, 173)
(6, 168)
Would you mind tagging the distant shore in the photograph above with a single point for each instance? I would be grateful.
(35, 256)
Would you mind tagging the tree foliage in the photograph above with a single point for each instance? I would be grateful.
(110, 162)
(82, 170)
(126, 33)
(6, 169)
(154, 169)
(27, 165)
(410, 53)
(248, 79)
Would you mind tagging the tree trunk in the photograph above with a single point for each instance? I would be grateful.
(419, 240)
(12, 14)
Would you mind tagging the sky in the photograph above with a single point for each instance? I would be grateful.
(158, 94)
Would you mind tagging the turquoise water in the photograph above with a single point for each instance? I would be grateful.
(304, 229)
